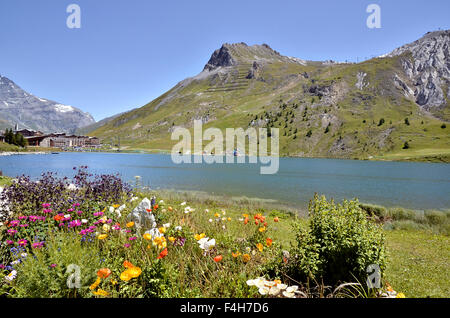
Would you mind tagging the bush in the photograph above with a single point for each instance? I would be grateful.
(338, 246)
(435, 217)
(402, 214)
(374, 210)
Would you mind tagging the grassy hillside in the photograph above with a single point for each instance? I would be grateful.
(322, 110)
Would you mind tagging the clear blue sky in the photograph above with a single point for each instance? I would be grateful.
(130, 52)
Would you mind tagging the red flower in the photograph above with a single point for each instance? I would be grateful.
(218, 258)
(149, 210)
(163, 254)
(155, 207)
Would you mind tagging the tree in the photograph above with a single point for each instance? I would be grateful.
(328, 128)
(381, 122)
(443, 126)
(406, 145)
(407, 121)
(309, 133)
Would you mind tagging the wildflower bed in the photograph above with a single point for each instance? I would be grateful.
(79, 242)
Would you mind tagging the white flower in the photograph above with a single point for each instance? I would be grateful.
(274, 290)
(210, 220)
(223, 212)
(241, 219)
(15, 262)
(84, 221)
(67, 216)
(167, 225)
(11, 276)
(178, 228)
(24, 255)
(290, 291)
(111, 209)
(183, 203)
(206, 210)
(161, 201)
(264, 290)
(258, 282)
(133, 199)
(224, 219)
(223, 227)
(206, 244)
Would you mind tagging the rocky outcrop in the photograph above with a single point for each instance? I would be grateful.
(220, 58)
(31, 112)
(360, 83)
(426, 63)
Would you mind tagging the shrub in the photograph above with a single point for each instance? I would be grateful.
(402, 214)
(374, 210)
(338, 245)
(435, 217)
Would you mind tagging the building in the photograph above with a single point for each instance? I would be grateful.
(63, 141)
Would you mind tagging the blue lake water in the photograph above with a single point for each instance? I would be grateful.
(408, 184)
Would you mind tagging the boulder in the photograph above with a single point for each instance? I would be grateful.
(140, 216)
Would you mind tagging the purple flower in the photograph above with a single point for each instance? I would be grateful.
(180, 241)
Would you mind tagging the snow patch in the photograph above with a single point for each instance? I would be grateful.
(63, 108)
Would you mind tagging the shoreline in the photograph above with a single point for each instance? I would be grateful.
(15, 153)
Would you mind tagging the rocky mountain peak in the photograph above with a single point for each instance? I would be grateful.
(428, 67)
(30, 112)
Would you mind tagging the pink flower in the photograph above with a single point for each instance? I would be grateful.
(126, 245)
(79, 212)
(37, 245)
(9, 242)
(12, 232)
(132, 238)
(53, 265)
(23, 217)
(46, 205)
(22, 242)
(14, 223)
(76, 205)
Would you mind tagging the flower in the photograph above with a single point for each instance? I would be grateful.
(170, 209)
(218, 258)
(147, 236)
(102, 236)
(103, 272)
(148, 210)
(162, 230)
(22, 242)
(134, 271)
(172, 239)
(127, 264)
(199, 236)
(11, 276)
(206, 244)
(246, 221)
(178, 228)
(262, 229)
(246, 258)
(276, 219)
(130, 224)
(106, 227)
(163, 254)
(401, 295)
(132, 238)
(290, 292)
(126, 245)
(100, 292)
(268, 242)
(94, 285)
(260, 247)
(237, 254)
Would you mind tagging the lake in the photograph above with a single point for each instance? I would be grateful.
(408, 184)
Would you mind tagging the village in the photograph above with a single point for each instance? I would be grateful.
(54, 140)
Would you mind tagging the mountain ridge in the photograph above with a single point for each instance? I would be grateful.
(255, 86)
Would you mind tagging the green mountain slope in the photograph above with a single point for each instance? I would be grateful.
(323, 109)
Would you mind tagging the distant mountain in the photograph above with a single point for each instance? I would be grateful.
(89, 128)
(20, 107)
(322, 108)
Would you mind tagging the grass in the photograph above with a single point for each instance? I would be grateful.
(418, 263)
(4, 181)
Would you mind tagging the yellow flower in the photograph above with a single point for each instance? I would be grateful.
(162, 230)
(113, 281)
(134, 271)
(102, 236)
(237, 254)
(147, 236)
(125, 276)
(401, 295)
(246, 258)
(262, 229)
(229, 219)
(260, 247)
(245, 215)
(216, 215)
(130, 224)
(172, 239)
(94, 285)
(199, 236)
(115, 206)
(100, 292)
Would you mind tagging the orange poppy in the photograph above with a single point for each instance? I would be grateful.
(103, 272)
(58, 217)
(256, 222)
(268, 242)
(163, 254)
(276, 219)
(237, 254)
(218, 258)
(127, 264)
(246, 221)
(170, 208)
(156, 207)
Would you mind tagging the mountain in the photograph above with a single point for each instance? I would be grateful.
(322, 108)
(89, 128)
(30, 112)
